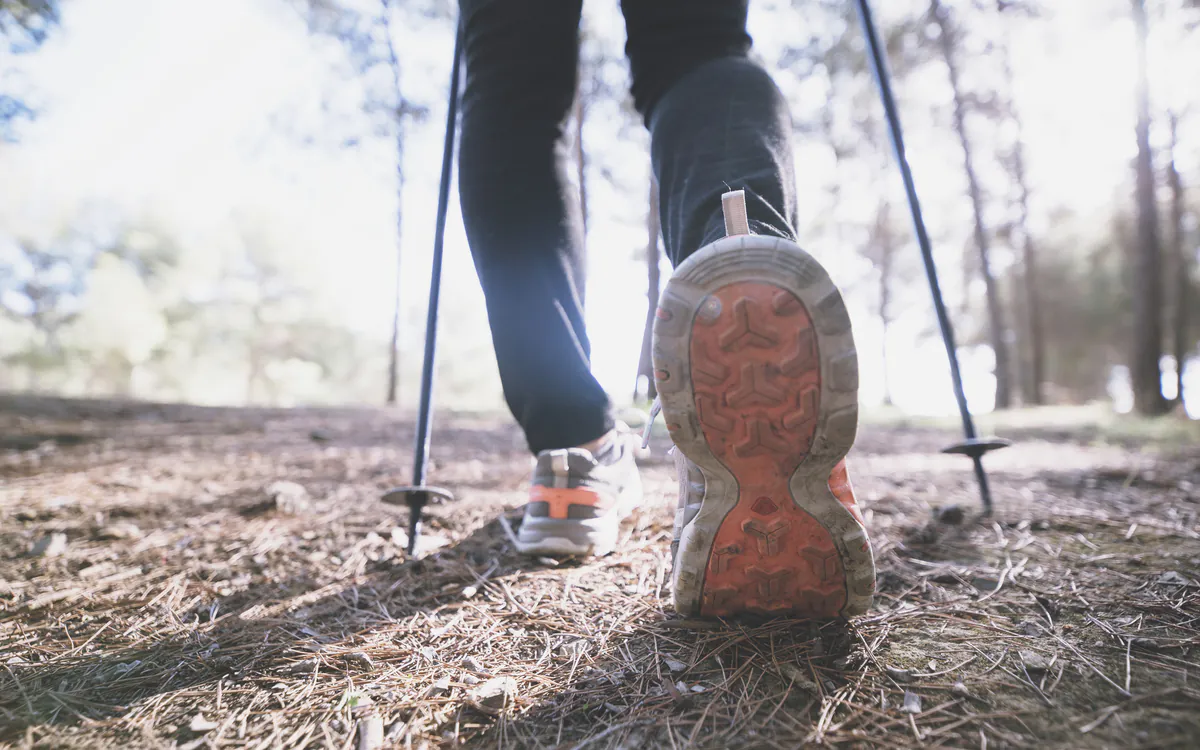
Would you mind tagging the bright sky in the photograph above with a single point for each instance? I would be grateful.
(172, 110)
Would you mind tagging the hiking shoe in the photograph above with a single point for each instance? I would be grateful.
(578, 499)
(757, 376)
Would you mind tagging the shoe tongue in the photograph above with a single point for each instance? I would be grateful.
(609, 452)
(566, 461)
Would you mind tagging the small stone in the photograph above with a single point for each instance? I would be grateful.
(399, 537)
(798, 676)
(985, 583)
(674, 665)
(429, 654)
(951, 515)
(370, 733)
(1173, 578)
(493, 695)
(897, 674)
(302, 667)
(320, 436)
(124, 668)
(288, 497)
(200, 724)
(116, 531)
(960, 689)
(51, 545)
(912, 703)
(439, 688)
(471, 664)
(1034, 661)
(361, 659)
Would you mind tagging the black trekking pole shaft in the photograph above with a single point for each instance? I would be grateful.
(425, 411)
(883, 79)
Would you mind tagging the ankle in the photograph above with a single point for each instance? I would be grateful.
(594, 446)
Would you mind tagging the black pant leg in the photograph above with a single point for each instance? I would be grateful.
(717, 120)
(522, 214)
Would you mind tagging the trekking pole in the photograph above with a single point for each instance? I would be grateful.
(973, 446)
(418, 494)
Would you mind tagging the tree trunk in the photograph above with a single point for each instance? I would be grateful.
(995, 315)
(883, 236)
(646, 361)
(393, 377)
(1147, 265)
(1034, 328)
(1183, 266)
(254, 358)
(393, 383)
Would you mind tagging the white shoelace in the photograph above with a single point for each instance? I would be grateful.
(654, 410)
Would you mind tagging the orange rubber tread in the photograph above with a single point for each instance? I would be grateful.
(757, 383)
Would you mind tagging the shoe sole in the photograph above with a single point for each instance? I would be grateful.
(557, 537)
(597, 537)
(758, 377)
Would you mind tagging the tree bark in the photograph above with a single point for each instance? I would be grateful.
(1183, 266)
(999, 340)
(883, 237)
(1147, 264)
(653, 282)
(393, 383)
(393, 377)
(1035, 330)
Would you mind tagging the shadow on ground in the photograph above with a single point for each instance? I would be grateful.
(188, 608)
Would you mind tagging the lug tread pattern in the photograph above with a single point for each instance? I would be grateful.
(769, 554)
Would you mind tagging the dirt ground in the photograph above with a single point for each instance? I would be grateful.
(159, 588)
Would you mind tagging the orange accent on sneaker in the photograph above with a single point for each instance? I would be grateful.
(839, 485)
(560, 499)
(758, 403)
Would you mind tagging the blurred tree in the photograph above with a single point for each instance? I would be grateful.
(24, 25)
(1147, 262)
(852, 124)
(1032, 354)
(118, 328)
(42, 287)
(1087, 330)
(404, 109)
(369, 38)
(597, 92)
(1181, 258)
(948, 44)
(1180, 22)
(884, 245)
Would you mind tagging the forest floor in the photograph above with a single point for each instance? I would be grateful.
(158, 588)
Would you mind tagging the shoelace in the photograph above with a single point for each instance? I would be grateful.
(654, 410)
